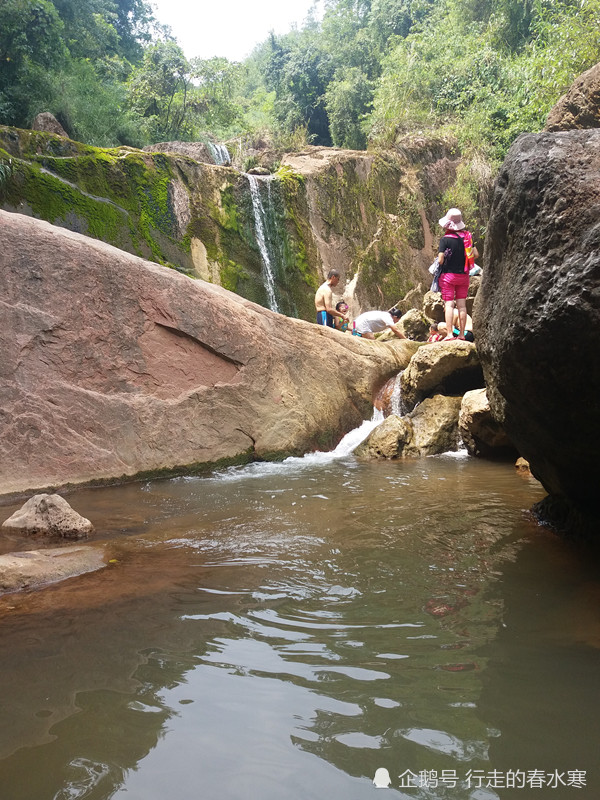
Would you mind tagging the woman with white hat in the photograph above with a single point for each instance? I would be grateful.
(456, 256)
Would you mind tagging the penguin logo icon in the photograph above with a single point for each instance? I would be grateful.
(382, 778)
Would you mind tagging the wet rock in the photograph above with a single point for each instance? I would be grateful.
(386, 440)
(451, 368)
(430, 429)
(388, 397)
(480, 432)
(537, 314)
(49, 515)
(580, 106)
(33, 569)
(435, 426)
(522, 465)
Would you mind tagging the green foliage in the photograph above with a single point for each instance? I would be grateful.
(214, 99)
(298, 70)
(485, 70)
(371, 70)
(91, 109)
(30, 44)
(348, 100)
(158, 91)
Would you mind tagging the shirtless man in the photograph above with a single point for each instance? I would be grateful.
(324, 304)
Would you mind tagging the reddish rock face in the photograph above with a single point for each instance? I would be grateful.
(112, 366)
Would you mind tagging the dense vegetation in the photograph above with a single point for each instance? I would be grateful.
(369, 71)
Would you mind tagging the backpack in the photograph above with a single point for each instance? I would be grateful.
(468, 244)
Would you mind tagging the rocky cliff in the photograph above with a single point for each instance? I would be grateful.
(372, 215)
(113, 366)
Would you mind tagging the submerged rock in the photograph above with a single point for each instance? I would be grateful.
(49, 515)
(32, 569)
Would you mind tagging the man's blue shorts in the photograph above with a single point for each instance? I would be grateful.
(323, 318)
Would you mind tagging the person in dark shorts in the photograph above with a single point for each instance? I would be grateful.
(325, 309)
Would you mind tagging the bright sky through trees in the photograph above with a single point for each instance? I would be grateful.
(212, 28)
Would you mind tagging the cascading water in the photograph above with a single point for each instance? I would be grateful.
(396, 398)
(260, 222)
(291, 465)
(220, 154)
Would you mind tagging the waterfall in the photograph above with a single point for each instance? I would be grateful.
(219, 153)
(396, 398)
(352, 439)
(260, 223)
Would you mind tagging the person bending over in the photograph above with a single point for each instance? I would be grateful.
(372, 322)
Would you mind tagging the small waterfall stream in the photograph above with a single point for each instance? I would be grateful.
(260, 221)
(396, 398)
(220, 154)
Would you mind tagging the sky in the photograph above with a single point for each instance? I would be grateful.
(208, 28)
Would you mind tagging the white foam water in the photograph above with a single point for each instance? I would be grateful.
(344, 449)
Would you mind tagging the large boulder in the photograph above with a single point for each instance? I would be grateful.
(49, 515)
(415, 325)
(482, 435)
(48, 123)
(443, 367)
(537, 315)
(113, 366)
(580, 106)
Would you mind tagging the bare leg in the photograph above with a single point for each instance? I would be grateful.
(368, 335)
(462, 317)
(449, 314)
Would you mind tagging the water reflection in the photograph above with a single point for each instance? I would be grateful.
(287, 633)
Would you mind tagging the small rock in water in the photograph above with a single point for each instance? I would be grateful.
(50, 515)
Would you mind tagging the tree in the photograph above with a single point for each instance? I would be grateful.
(348, 99)
(159, 91)
(30, 44)
(214, 96)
